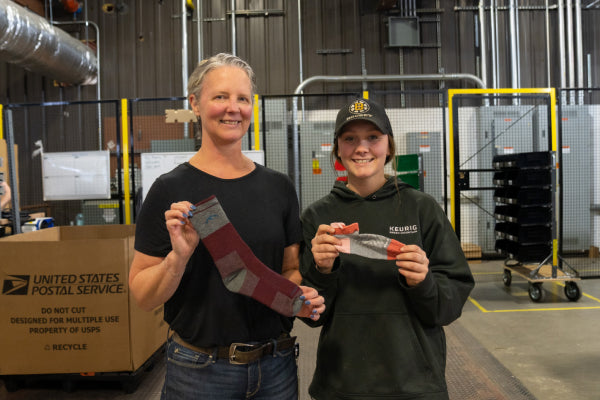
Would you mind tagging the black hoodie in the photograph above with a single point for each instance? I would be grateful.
(380, 338)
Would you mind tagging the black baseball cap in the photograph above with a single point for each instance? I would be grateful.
(366, 110)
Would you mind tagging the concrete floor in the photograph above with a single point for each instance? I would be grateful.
(551, 347)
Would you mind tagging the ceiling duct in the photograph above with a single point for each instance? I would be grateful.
(31, 42)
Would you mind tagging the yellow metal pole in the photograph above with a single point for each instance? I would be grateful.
(451, 158)
(125, 166)
(553, 119)
(256, 125)
(366, 94)
(452, 92)
(553, 128)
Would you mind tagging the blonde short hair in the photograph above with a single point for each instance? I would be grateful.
(196, 80)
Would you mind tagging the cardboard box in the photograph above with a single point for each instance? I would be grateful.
(65, 305)
(472, 251)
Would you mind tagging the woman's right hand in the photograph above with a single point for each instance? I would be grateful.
(6, 197)
(323, 248)
(184, 238)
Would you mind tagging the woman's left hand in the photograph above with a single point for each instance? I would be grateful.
(413, 264)
(314, 304)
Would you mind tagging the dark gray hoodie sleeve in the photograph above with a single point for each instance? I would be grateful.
(325, 284)
(439, 299)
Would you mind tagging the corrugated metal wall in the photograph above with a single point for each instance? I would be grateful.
(141, 48)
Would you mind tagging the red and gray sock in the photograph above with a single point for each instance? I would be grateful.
(365, 244)
(240, 270)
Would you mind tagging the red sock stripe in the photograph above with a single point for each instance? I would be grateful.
(394, 249)
(346, 230)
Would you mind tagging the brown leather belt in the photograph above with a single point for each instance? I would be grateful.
(241, 353)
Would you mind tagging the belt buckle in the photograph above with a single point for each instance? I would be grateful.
(232, 349)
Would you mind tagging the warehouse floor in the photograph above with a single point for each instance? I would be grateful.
(505, 346)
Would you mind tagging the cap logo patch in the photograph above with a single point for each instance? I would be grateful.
(359, 107)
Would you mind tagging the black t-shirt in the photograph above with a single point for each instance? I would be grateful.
(263, 208)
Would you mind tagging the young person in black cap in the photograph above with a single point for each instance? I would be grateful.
(390, 267)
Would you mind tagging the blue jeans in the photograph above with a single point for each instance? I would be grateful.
(193, 375)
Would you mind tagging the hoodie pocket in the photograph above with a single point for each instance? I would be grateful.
(377, 354)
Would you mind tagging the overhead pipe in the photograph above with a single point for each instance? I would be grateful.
(514, 48)
(561, 46)
(199, 27)
(570, 49)
(184, 61)
(98, 52)
(494, 42)
(579, 47)
(233, 34)
(549, 80)
(513, 33)
(30, 41)
(518, 43)
(360, 78)
(300, 52)
(482, 42)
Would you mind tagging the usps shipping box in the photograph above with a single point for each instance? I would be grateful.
(65, 305)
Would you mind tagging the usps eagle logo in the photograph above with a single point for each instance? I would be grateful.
(359, 107)
(15, 284)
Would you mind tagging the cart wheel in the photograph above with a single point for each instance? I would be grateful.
(572, 291)
(535, 292)
(507, 277)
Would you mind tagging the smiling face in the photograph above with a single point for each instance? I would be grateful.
(224, 105)
(363, 150)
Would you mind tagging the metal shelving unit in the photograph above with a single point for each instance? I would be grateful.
(526, 222)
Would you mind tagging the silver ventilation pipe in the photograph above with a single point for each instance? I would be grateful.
(28, 40)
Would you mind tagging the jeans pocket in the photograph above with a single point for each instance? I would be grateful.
(285, 353)
(188, 358)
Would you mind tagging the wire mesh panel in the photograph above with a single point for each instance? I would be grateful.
(419, 123)
(485, 126)
(275, 127)
(164, 125)
(579, 142)
(64, 127)
(157, 126)
(417, 120)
